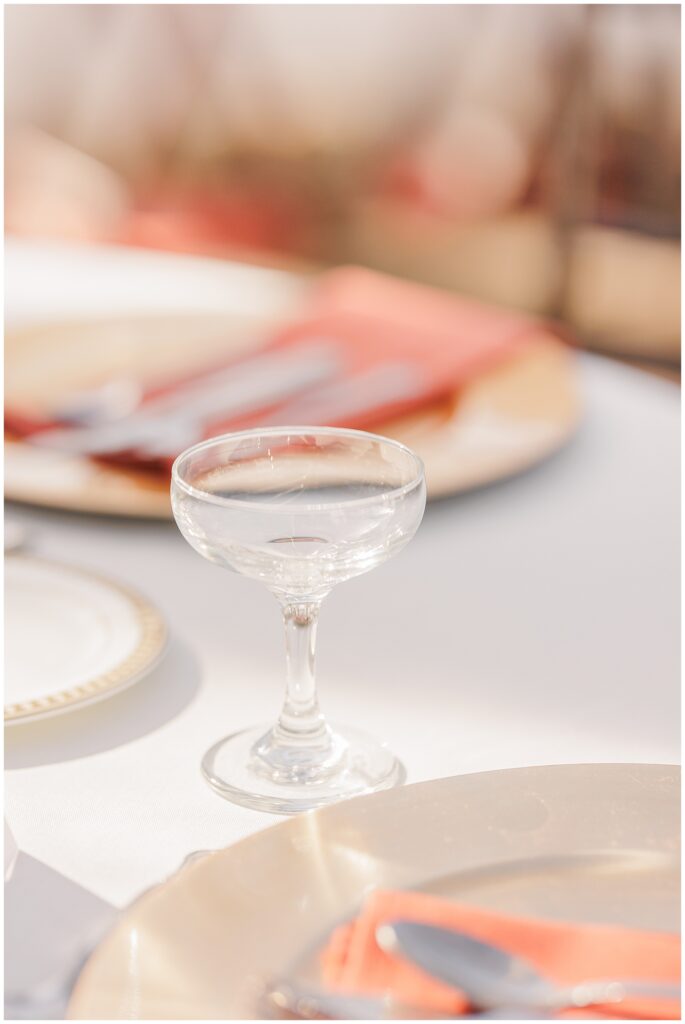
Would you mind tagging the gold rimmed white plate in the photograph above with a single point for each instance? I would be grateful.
(505, 421)
(71, 638)
(577, 842)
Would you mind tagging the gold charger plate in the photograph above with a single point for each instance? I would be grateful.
(581, 842)
(507, 420)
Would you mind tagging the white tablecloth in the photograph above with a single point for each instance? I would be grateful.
(532, 622)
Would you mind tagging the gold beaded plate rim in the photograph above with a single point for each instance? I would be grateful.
(138, 663)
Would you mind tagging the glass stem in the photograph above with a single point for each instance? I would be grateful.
(300, 749)
(300, 716)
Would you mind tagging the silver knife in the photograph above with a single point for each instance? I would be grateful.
(379, 385)
(272, 376)
(490, 977)
(308, 1003)
(331, 401)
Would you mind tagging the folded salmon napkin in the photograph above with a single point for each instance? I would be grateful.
(368, 348)
(564, 953)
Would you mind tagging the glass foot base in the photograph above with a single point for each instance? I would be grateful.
(366, 766)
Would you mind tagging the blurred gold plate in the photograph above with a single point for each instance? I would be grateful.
(510, 418)
(577, 842)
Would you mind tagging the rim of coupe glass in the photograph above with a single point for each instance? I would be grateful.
(215, 499)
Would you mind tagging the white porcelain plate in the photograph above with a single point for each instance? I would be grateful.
(71, 638)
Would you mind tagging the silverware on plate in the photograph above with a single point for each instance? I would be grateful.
(290, 1000)
(325, 401)
(113, 400)
(174, 419)
(491, 978)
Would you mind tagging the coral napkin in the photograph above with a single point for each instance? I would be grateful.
(385, 347)
(564, 953)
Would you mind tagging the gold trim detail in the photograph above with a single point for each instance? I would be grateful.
(150, 647)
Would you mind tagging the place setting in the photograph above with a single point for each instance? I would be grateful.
(341, 544)
(474, 896)
(407, 904)
(403, 903)
(485, 895)
(100, 434)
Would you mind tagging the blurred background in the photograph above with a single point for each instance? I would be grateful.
(527, 155)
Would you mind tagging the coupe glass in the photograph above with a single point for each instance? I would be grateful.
(301, 509)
